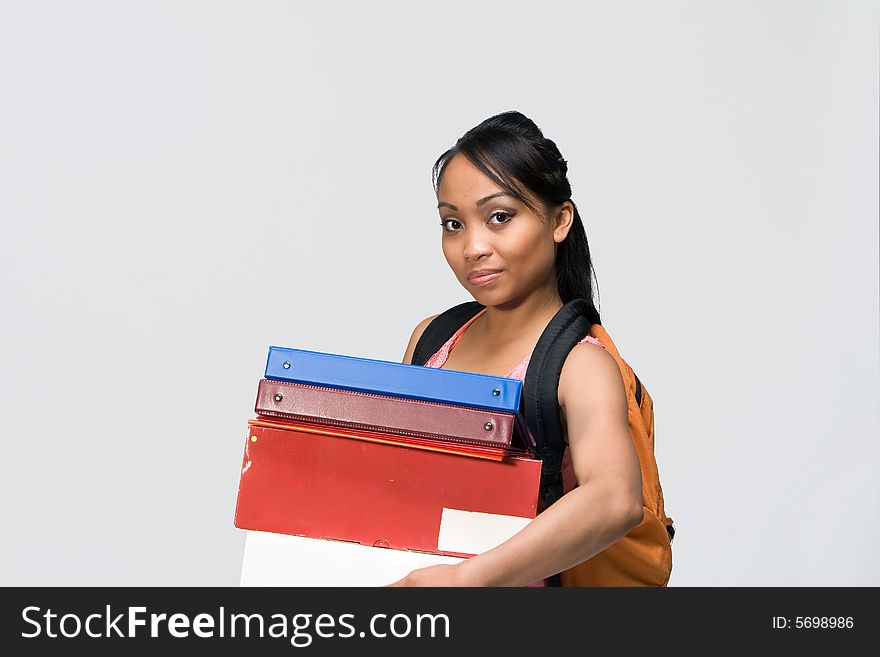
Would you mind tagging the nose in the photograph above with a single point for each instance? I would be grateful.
(476, 245)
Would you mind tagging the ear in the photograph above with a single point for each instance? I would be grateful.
(562, 221)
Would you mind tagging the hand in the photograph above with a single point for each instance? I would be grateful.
(439, 575)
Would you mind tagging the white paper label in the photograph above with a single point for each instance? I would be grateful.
(473, 532)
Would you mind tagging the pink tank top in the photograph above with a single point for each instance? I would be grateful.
(519, 372)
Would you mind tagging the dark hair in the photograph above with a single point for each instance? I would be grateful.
(513, 152)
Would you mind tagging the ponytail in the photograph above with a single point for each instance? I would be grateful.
(574, 267)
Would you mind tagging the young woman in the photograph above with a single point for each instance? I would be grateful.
(515, 241)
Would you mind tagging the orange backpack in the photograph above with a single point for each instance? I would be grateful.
(644, 556)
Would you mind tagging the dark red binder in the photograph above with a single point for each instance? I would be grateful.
(386, 413)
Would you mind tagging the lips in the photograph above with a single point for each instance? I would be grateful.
(482, 276)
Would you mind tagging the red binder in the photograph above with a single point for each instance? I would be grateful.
(352, 486)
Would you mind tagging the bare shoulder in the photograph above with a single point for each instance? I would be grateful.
(591, 377)
(593, 406)
(414, 338)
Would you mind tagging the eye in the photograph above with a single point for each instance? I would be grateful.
(507, 216)
(445, 222)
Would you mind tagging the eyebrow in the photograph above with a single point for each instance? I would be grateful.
(479, 203)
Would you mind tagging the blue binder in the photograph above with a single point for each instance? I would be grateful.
(391, 378)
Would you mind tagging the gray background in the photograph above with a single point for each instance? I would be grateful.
(183, 184)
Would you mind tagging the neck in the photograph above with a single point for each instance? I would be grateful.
(521, 318)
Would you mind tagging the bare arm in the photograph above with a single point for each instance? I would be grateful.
(604, 507)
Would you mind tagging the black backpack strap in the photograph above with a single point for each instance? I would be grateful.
(540, 396)
(441, 328)
(540, 387)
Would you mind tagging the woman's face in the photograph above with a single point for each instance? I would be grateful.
(486, 228)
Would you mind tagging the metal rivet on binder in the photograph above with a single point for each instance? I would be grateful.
(496, 392)
(286, 364)
(253, 439)
(488, 426)
(278, 396)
